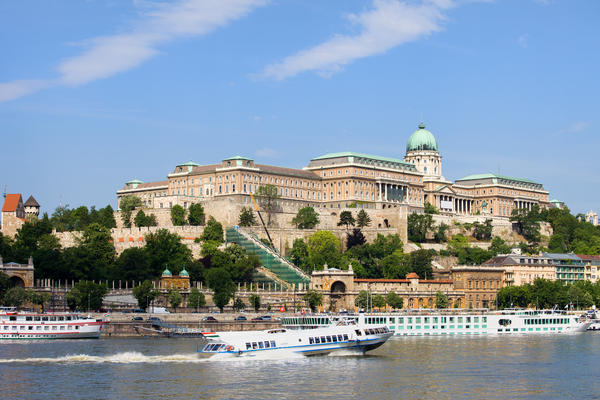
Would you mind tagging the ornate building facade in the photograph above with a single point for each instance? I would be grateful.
(348, 179)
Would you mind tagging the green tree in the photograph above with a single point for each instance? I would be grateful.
(254, 300)
(363, 219)
(15, 297)
(306, 218)
(440, 234)
(145, 294)
(441, 300)
(238, 304)
(314, 299)
(323, 248)
(430, 209)
(418, 226)
(140, 219)
(267, 196)
(527, 223)
(482, 231)
(62, 219)
(39, 299)
(127, 205)
(164, 247)
(395, 266)
(457, 243)
(356, 238)
(362, 299)
(378, 301)
(299, 254)
(196, 299)
(133, 265)
(346, 219)
(219, 280)
(106, 217)
(175, 299)
(86, 296)
(196, 214)
(499, 246)
(178, 215)
(420, 263)
(98, 250)
(213, 231)
(4, 284)
(394, 301)
(247, 217)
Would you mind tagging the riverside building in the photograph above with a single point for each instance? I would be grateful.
(347, 179)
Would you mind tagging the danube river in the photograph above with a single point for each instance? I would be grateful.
(519, 367)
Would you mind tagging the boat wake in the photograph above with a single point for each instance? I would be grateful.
(119, 358)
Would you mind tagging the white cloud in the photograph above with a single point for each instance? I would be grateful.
(575, 127)
(388, 24)
(163, 22)
(15, 89)
(523, 41)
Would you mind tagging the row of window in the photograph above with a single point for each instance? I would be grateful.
(39, 327)
(426, 320)
(546, 321)
(328, 339)
(260, 345)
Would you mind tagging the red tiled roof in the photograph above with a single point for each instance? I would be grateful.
(588, 257)
(11, 202)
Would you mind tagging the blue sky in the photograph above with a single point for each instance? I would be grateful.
(94, 93)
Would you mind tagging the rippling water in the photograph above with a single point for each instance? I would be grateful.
(553, 366)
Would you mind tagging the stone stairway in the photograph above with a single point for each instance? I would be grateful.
(272, 261)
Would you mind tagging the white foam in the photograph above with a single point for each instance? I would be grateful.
(119, 358)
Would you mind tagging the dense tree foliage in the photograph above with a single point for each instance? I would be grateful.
(430, 209)
(86, 296)
(254, 300)
(127, 205)
(527, 223)
(145, 294)
(306, 218)
(346, 219)
(545, 294)
(356, 238)
(165, 248)
(213, 231)
(323, 248)
(314, 299)
(175, 298)
(66, 219)
(178, 215)
(196, 299)
(441, 300)
(142, 219)
(196, 215)
(363, 219)
(418, 227)
(482, 231)
(220, 281)
(394, 301)
(247, 217)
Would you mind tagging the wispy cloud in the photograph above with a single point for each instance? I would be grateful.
(523, 41)
(160, 24)
(388, 24)
(575, 127)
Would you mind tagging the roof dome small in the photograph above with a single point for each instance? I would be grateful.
(412, 275)
(166, 272)
(184, 272)
(421, 139)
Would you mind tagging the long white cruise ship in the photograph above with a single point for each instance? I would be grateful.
(437, 322)
(25, 325)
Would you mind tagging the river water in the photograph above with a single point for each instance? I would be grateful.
(480, 367)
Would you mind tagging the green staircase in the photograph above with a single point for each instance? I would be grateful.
(271, 260)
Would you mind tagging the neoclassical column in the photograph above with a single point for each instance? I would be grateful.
(386, 191)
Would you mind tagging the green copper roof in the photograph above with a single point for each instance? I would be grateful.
(166, 272)
(488, 176)
(360, 155)
(134, 181)
(421, 139)
(184, 272)
(189, 164)
(238, 158)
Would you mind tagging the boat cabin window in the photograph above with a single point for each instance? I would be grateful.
(328, 339)
(28, 318)
(358, 332)
(248, 346)
(323, 340)
(44, 318)
(260, 345)
(345, 336)
(340, 338)
(267, 345)
(273, 343)
(311, 340)
(12, 318)
(317, 340)
(36, 318)
(254, 345)
(334, 338)
(61, 318)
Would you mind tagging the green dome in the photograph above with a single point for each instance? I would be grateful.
(421, 139)
(166, 272)
(184, 272)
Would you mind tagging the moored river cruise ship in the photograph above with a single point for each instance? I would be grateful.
(437, 322)
(25, 325)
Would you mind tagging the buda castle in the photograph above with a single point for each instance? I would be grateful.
(347, 180)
